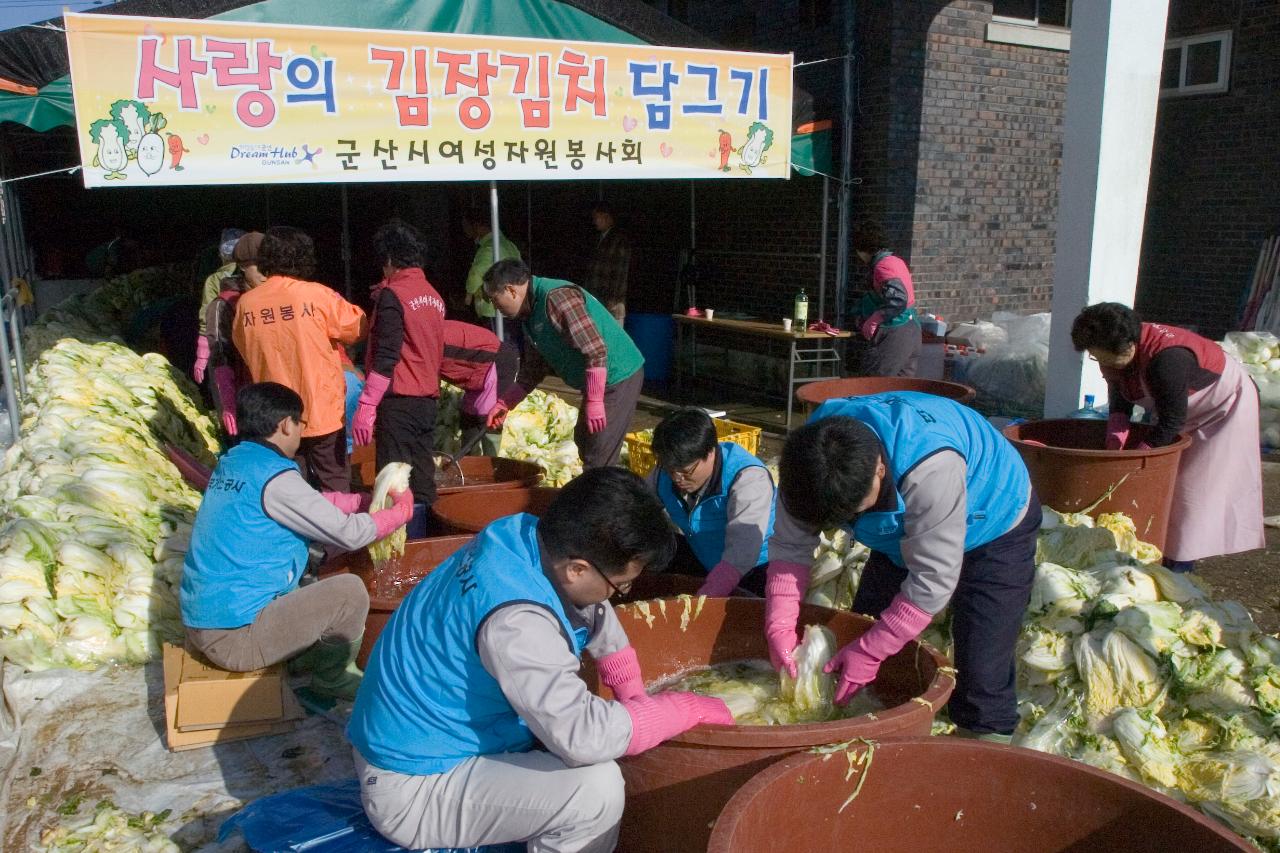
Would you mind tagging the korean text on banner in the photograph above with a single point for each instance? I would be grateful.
(163, 101)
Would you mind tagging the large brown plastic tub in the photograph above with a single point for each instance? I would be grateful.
(388, 587)
(676, 790)
(1072, 471)
(469, 512)
(815, 393)
(479, 473)
(421, 556)
(961, 796)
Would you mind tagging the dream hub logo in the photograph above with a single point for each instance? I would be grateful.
(267, 155)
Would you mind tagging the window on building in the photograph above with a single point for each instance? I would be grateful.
(1033, 13)
(1195, 65)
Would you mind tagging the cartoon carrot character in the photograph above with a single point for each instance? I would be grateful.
(176, 150)
(726, 148)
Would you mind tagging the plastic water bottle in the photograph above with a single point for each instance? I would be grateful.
(1088, 411)
(801, 314)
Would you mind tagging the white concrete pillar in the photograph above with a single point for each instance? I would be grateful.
(1112, 91)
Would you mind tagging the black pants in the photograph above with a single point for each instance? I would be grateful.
(986, 617)
(405, 432)
(894, 351)
(324, 461)
(686, 562)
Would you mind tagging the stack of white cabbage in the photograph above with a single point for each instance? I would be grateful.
(1260, 353)
(540, 430)
(97, 518)
(1129, 667)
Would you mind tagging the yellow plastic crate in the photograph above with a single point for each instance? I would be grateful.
(640, 457)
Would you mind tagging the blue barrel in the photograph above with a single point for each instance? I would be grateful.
(653, 334)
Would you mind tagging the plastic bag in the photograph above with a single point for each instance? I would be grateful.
(320, 819)
(1010, 377)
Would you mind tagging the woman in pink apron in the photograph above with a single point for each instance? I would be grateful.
(1193, 388)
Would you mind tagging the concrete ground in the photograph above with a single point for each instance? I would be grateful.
(1252, 578)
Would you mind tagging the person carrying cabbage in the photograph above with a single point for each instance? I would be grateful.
(241, 604)
(1193, 388)
(946, 506)
(473, 726)
(569, 331)
(720, 496)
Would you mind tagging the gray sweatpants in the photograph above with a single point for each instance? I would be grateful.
(331, 609)
(493, 799)
(603, 448)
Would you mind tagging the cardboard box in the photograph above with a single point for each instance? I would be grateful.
(193, 708)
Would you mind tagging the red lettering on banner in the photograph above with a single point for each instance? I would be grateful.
(182, 78)
(583, 83)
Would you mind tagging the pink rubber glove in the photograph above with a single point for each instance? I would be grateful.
(783, 590)
(655, 719)
(593, 399)
(900, 623)
(870, 326)
(225, 378)
(1143, 446)
(375, 387)
(349, 502)
(721, 581)
(202, 358)
(391, 519)
(620, 672)
(1117, 431)
(507, 400)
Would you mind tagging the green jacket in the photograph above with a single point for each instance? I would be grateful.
(480, 265)
(568, 363)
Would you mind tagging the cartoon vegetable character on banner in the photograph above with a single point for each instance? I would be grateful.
(176, 150)
(725, 146)
(110, 135)
(133, 115)
(759, 140)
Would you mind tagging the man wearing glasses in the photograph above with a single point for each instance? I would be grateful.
(481, 660)
(720, 497)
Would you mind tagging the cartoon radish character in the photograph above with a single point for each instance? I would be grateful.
(110, 136)
(176, 150)
(151, 147)
(759, 140)
(725, 144)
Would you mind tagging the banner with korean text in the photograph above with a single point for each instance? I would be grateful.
(164, 102)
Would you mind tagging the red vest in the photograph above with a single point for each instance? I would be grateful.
(418, 372)
(469, 351)
(1155, 339)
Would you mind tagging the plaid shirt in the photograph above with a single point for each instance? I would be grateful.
(567, 310)
(610, 268)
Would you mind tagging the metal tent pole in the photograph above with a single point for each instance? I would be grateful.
(498, 325)
(822, 258)
(846, 162)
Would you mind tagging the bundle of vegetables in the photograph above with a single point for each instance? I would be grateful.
(1260, 354)
(106, 311)
(394, 477)
(837, 567)
(97, 516)
(540, 430)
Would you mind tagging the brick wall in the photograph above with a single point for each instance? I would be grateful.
(1215, 184)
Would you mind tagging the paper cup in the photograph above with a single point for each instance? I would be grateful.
(786, 324)
(711, 313)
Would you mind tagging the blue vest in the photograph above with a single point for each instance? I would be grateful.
(240, 558)
(427, 703)
(914, 426)
(705, 526)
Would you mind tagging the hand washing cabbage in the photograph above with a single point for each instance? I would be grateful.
(811, 689)
(394, 477)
